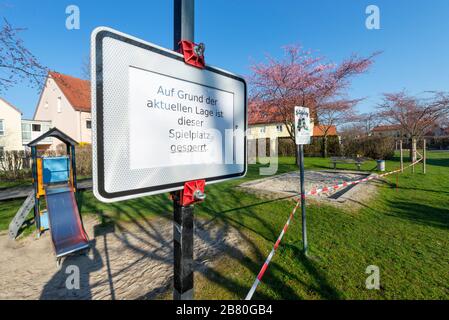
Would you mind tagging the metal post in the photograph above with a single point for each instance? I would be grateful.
(183, 252)
(424, 162)
(402, 156)
(183, 216)
(298, 152)
(37, 219)
(303, 199)
(184, 27)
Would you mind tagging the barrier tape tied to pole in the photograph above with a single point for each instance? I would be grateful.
(310, 193)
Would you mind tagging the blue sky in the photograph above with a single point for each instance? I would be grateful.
(414, 36)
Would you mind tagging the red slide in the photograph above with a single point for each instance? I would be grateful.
(66, 228)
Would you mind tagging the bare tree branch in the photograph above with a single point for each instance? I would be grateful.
(17, 64)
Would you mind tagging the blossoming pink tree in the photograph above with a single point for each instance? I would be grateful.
(415, 115)
(302, 79)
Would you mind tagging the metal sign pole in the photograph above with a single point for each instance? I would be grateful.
(183, 249)
(183, 215)
(184, 21)
(303, 199)
(302, 136)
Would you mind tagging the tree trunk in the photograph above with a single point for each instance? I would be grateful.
(296, 150)
(325, 147)
(297, 156)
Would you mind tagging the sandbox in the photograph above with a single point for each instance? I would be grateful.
(287, 184)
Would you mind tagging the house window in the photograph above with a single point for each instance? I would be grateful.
(279, 128)
(2, 128)
(36, 128)
(45, 128)
(26, 132)
(59, 106)
(88, 124)
(262, 130)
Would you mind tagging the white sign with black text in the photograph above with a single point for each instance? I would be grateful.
(192, 121)
(303, 130)
(158, 122)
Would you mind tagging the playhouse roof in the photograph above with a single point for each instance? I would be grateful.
(54, 133)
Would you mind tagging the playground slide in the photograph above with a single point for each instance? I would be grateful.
(66, 229)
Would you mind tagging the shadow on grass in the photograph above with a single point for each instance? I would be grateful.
(321, 285)
(421, 213)
(438, 162)
(423, 190)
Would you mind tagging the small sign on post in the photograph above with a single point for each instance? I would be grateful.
(303, 134)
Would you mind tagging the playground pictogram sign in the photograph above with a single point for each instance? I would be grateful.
(303, 130)
(159, 122)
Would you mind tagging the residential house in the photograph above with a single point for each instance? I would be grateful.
(271, 125)
(437, 132)
(10, 127)
(320, 130)
(394, 131)
(15, 132)
(65, 101)
(33, 129)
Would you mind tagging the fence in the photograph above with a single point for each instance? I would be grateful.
(16, 165)
(287, 148)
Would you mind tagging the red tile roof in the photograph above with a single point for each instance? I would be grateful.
(319, 130)
(268, 115)
(263, 114)
(393, 127)
(76, 90)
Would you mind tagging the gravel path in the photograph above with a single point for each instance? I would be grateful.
(129, 261)
(23, 192)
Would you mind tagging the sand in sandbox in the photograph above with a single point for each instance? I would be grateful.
(289, 183)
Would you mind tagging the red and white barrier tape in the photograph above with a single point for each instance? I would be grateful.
(284, 230)
(347, 184)
(273, 251)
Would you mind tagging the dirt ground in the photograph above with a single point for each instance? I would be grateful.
(127, 261)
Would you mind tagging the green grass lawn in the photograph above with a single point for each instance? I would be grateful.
(403, 231)
(12, 184)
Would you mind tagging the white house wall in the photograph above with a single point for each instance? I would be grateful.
(86, 134)
(260, 131)
(12, 122)
(68, 120)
